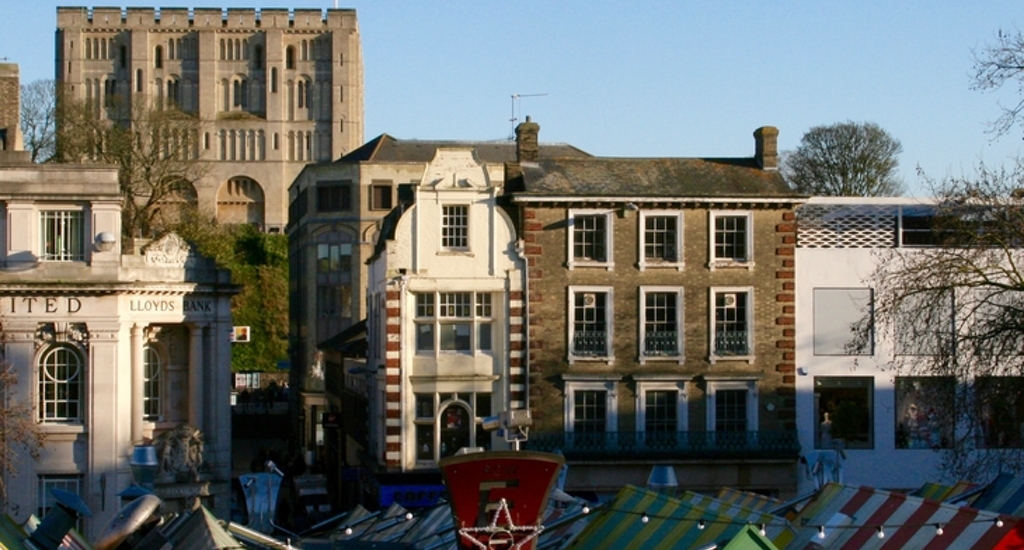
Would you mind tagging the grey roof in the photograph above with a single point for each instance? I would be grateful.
(652, 177)
(385, 148)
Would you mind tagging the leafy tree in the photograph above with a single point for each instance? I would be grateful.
(845, 159)
(961, 295)
(997, 64)
(156, 150)
(19, 430)
(259, 263)
(39, 119)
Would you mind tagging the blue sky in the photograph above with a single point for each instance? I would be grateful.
(658, 78)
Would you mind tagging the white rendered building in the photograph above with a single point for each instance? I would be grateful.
(444, 317)
(849, 393)
(111, 350)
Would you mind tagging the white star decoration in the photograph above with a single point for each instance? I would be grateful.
(503, 535)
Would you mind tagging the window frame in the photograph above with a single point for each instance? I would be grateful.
(325, 193)
(716, 262)
(377, 190)
(645, 263)
(655, 383)
(454, 237)
(748, 384)
(571, 260)
(941, 425)
(72, 384)
(152, 384)
(643, 355)
(439, 402)
(574, 383)
(713, 356)
(819, 413)
(820, 347)
(45, 500)
(609, 320)
(480, 318)
(63, 223)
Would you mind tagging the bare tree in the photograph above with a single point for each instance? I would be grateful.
(39, 119)
(845, 159)
(998, 64)
(156, 149)
(955, 304)
(19, 428)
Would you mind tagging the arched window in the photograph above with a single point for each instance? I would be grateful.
(302, 93)
(170, 48)
(152, 383)
(289, 57)
(61, 375)
(158, 57)
(305, 50)
(257, 57)
(138, 80)
(273, 80)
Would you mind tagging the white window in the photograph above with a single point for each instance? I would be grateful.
(732, 328)
(662, 239)
(661, 409)
(590, 405)
(71, 483)
(61, 381)
(458, 322)
(590, 323)
(732, 405)
(455, 227)
(925, 323)
(447, 422)
(732, 242)
(590, 238)
(152, 383)
(63, 235)
(843, 323)
(661, 323)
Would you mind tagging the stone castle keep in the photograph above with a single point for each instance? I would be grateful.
(274, 89)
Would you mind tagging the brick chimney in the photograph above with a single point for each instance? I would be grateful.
(527, 145)
(766, 148)
(10, 91)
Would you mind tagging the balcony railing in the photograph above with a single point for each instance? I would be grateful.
(590, 343)
(618, 445)
(661, 343)
(731, 343)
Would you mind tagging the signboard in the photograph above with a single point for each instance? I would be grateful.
(498, 498)
(239, 334)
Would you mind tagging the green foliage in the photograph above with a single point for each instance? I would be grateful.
(259, 264)
(848, 159)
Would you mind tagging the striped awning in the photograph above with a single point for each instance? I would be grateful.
(851, 518)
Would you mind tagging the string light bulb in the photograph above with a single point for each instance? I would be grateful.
(644, 518)
(938, 529)
(761, 529)
(881, 532)
(408, 516)
(586, 510)
(821, 531)
(999, 522)
(348, 531)
(700, 524)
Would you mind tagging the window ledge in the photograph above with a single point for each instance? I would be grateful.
(573, 264)
(57, 430)
(607, 359)
(643, 266)
(730, 264)
(455, 252)
(715, 358)
(679, 359)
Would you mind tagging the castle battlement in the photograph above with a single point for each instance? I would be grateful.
(185, 19)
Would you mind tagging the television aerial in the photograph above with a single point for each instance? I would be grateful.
(516, 102)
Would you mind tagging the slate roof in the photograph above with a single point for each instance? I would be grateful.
(385, 148)
(652, 177)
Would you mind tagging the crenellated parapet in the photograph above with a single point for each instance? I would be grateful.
(114, 19)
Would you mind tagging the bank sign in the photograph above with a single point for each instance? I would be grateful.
(71, 306)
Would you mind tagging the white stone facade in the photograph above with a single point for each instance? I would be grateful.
(111, 350)
(444, 317)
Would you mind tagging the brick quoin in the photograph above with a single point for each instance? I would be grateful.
(516, 346)
(394, 346)
(788, 216)
(515, 295)
(392, 363)
(788, 263)
(393, 295)
(533, 226)
(390, 413)
(789, 356)
(789, 379)
(394, 446)
(393, 379)
(530, 238)
(529, 213)
(788, 321)
(787, 251)
(785, 344)
(788, 286)
(394, 329)
(785, 275)
(789, 333)
(785, 297)
(785, 368)
(785, 228)
(789, 239)
(394, 311)
(393, 396)
(534, 250)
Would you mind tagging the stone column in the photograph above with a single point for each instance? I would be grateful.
(138, 367)
(195, 377)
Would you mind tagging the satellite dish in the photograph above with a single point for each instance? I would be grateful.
(130, 518)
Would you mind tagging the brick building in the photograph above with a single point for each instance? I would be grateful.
(660, 314)
(274, 90)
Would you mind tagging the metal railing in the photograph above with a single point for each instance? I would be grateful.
(692, 444)
(731, 343)
(661, 343)
(589, 342)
